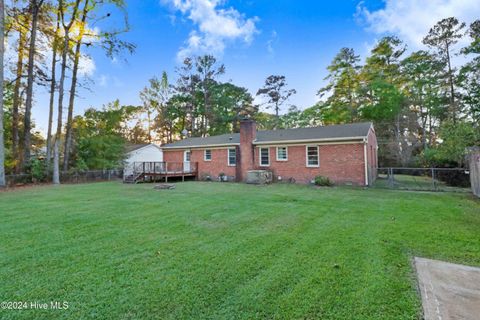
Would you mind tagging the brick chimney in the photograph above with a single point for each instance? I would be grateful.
(248, 133)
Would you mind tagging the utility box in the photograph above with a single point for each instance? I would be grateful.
(259, 177)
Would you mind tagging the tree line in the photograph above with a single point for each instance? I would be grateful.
(196, 103)
(425, 107)
(50, 38)
(425, 104)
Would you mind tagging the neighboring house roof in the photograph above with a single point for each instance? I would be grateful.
(324, 133)
(134, 147)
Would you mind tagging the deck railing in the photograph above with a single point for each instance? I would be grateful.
(165, 168)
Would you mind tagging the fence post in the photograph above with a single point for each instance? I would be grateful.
(433, 180)
(390, 177)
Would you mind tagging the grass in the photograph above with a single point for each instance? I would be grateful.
(419, 182)
(226, 251)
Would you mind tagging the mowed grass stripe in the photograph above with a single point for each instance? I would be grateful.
(221, 250)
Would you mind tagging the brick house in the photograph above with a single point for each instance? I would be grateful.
(347, 154)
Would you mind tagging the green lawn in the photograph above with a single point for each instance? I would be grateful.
(419, 183)
(226, 251)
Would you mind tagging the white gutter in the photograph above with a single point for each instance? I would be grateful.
(309, 140)
(203, 146)
(365, 142)
(345, 139)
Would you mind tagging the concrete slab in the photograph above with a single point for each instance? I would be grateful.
(449, 291)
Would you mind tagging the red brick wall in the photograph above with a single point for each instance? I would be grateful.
(173, 155)
(212, 168)
(342, 163)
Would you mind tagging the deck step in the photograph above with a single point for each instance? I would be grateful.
(132, 178)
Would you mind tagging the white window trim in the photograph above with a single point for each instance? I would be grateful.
(185, 155)
(228, 157)
(260, 157)
(205, 155)
(306, 157)
(286, 153)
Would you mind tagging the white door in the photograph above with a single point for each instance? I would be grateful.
(186, 161)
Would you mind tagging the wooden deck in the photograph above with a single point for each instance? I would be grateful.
(158, 171)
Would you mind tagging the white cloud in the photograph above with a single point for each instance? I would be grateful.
(105, 80)
(102, 80)
(86, 66)
(270, 43)
(215, 26)
(412, 19)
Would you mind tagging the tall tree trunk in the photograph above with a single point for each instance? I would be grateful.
(452, 89)
(398, 139)
(206, 117)
(149, 123)
(52, 92)
(423, 119)
(430, 130)
(22, 41)
(56, 160)
(2, 142)
(51, 106)
(27, 124)
(61, 89)
(277, 116)
(73, 86)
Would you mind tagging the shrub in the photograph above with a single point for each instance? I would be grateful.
(38, 169)
(323, 181)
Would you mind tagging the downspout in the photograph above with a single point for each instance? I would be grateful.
(365, 160)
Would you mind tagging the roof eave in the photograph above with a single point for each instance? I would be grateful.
(145, 146)
(359, 138)
(201, 146)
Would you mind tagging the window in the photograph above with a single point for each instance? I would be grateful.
(232, 157)
(187, 156)
(282, 154)
(264, 157)
(312, 156)
(207, 156)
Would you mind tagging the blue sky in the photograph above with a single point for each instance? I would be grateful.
(253, 39)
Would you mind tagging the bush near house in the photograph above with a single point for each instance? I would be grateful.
(323, 181)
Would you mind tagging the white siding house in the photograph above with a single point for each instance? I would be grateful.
(141, 153)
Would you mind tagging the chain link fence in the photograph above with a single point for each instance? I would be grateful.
(424, 179)
(15, 180)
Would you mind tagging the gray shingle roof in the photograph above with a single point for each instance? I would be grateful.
(231, 138)
(132, 147)
(334, 132)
